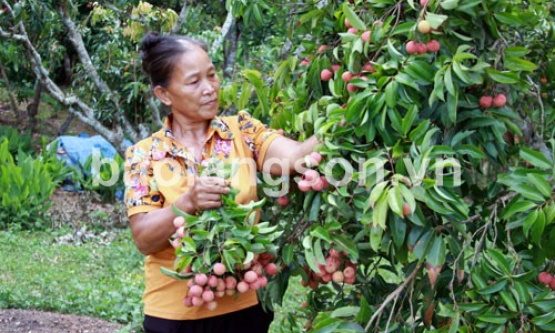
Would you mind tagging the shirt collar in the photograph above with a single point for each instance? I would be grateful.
(217, 126)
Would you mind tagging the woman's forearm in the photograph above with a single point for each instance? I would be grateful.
(152, 230)
(289, 153)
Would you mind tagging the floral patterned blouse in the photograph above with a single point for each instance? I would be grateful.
(228, 138)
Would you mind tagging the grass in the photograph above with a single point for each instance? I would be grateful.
(101, 280)
(95, 279)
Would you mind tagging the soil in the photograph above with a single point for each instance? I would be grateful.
(31, 321)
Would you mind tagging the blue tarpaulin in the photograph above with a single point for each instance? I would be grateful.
(75, 150)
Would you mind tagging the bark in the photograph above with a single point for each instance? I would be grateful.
(68, 72)
(229, 20)
(33, 107)
(181, 18)
(230, 50)
(13, 103)
(63, 128)
(157, 121)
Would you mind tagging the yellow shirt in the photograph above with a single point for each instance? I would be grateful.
(156, 172)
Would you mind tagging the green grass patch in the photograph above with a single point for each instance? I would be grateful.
(100, 280)
(94, 279)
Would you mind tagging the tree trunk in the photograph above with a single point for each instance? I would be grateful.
(66, 124)
(13, 103)
(68, 73)
(33, 107)
(230, 50)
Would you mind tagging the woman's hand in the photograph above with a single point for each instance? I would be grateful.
(204, 193)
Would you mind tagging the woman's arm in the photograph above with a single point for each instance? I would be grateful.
(152, 230)
(288, 153)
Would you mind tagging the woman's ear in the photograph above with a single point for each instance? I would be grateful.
(162, 95)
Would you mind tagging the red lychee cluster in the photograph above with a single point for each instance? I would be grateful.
(547, 279)
(204, 290)
(413, 47)
(487, 102)
(337, 269)
(311, 179)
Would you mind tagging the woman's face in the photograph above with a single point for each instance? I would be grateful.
(194, 87)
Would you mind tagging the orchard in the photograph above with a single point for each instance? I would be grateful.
(429, 205)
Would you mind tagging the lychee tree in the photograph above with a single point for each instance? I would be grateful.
(447, 216)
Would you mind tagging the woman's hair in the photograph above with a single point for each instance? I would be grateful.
(159, 55)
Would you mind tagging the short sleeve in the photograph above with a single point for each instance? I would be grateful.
(141, 191)
(256, 135)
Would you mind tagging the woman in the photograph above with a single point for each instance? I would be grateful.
(163, 170)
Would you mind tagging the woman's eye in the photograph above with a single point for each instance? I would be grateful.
(193, 82)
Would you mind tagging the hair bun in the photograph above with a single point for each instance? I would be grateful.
(149, 41)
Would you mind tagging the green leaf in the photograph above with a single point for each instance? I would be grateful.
(398, 231)
(493, 319)
(395, 55)
(189, 244)
(535, 158)
(471, 150)
(317, 249)
(344, 244)
(288, 253)
(379, 214)
(449, 4)
(517, 64)
(353, 18)
(315, 207)
(391, 94)
(517, 207)
(538, 227)
(376, 236)
(461, 73)
(409, 119)
(455, 323)
(376, 193)
(311, 260)
(172, 274)
(541, 184)
(528, 192)
(544, 319)
(420, 71)
(321, 233)
(346, 311)
(529, 222)
(435, 20)
(509, 301)
(502, 77)
(448, 79)
(365, 311)
(472, 307)
(437, 253)
(255, 78)
(395, 201)
(509, 18)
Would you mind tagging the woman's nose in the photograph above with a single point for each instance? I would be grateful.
(208, 87)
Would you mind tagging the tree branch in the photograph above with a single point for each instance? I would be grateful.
(181, 18)
(229, 20)
(393, 296)
(78, 44)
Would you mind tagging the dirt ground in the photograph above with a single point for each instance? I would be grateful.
(30, 321)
